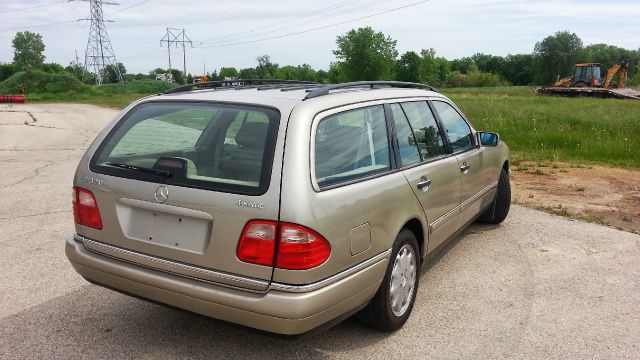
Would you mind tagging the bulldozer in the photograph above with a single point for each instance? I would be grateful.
(587, 80)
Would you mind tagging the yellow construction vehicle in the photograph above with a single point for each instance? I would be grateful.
(200, 79)
(587, 81)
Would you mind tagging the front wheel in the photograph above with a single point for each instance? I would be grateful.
(499, 209)
(391, 306)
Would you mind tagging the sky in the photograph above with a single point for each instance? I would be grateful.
(293, 32)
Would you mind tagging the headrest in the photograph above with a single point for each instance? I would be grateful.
(252, 134)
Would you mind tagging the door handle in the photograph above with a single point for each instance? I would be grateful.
(424, 184)
(465, 167)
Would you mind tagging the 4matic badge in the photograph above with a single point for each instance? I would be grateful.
(249, 204)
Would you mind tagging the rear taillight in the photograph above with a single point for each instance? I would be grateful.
(85, 208)
(258, 242)
(298, 248)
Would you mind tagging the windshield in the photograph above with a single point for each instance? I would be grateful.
(211, 146)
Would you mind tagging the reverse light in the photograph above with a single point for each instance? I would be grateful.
(298, 248)
(85, 209)
(258, 242)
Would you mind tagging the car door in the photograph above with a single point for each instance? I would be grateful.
(473, 165)
(432, 173)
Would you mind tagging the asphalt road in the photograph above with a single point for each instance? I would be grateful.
(538, 286)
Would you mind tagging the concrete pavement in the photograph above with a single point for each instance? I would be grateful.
(538, 286)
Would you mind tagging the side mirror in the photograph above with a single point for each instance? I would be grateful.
(489, 138)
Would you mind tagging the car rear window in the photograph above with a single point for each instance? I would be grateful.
(202, 145)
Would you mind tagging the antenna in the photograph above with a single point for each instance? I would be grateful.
(177, 36)
(99, 53)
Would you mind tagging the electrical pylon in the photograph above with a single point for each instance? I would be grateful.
(99, 52)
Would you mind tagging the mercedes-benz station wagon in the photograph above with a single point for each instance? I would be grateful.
(282, 206)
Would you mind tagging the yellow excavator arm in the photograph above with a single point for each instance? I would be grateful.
(623, 69)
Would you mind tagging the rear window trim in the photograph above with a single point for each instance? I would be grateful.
(262, 189)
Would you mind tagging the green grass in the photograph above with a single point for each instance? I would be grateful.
(119, 101)
(538, 128)
(112, 95)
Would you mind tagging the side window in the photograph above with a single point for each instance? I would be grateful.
(425, 128)
(351, 145)
(409, 154)
(455, 126)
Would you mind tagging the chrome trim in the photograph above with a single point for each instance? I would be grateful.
(333, 279)
(465, 204)
(442, 219)
(176, 268)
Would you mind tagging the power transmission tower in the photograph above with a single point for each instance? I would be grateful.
(175, 37)
(99, 53)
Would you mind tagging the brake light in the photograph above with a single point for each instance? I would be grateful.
(258, 243)
(301, 248)
(596, 82)
(85, 209)
(298, 248)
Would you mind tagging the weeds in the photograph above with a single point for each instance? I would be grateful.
(577, 188)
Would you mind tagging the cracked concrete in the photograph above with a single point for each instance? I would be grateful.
(37, 163)
(535, 287)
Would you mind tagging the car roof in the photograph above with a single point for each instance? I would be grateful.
(287, 98)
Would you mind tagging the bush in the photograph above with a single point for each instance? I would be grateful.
(40, 82)
(474, 79)
(137, 87)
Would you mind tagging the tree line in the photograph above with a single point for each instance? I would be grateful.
(366, 54)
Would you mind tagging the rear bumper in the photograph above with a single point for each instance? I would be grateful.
(282, 309)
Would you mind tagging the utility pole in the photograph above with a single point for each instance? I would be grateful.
(99, 53)
(175, 37)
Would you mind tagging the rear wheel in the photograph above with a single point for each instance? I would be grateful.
(499, 209)
(391, 306)
(580, 84)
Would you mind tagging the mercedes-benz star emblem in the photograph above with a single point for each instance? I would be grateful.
(162, 194)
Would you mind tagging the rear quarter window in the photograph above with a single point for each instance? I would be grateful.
(201, 145)
(351, 145)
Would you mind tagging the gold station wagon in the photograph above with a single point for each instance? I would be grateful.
(283, 206)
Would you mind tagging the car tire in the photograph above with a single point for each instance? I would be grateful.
(391, 306)
(499, 208)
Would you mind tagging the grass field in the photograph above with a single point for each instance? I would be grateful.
(605, 131)
(111, 95)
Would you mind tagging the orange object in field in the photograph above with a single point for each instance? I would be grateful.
(12, 99)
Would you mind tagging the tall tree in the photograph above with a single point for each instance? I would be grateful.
(366, 55)
(28, 50)
(556, 55)
(265, 69)
(408, 67)
(228, 72)
(111, 73)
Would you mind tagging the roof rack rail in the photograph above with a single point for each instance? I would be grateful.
(235, 84)
(371, 84)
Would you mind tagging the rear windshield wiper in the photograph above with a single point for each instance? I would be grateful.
(163, 173)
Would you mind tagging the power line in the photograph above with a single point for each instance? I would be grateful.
(284, 21)
(41, 25)
(316, 28)
(130, 7)
(288, 24)
(35, 6)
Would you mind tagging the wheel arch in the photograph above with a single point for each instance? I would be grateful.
(415, 226)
